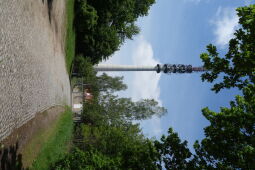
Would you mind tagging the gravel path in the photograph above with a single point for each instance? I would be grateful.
(32, 67)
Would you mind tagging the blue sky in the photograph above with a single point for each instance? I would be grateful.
(177, 32)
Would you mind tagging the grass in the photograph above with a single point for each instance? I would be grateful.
(32, 149)
(70, 35)
(53, 142)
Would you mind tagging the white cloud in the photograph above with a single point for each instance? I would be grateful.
(145, 84)
(226, 22)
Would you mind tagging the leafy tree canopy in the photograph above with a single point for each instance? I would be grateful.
(110, 84)
(173, 153)
(103, 25)
(230, 138)
(118, 109)
(238, 65)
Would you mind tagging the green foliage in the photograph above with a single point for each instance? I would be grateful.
(109, 129)
(111, 147)
(239, 65)
(57, 145)
(102, 26)
(102, 83)
(104, 44)
(70, 35)
(230, 138)
(110, 84)
(120, 110)
(83, 72)
(84, 68)
(229, 141)
(88, 160)
(173, 153)
(86, 17)
(146, 108)
(93, 114)
(125, 143)
(128, 32)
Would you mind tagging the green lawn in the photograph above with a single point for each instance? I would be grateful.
(70, 35)
(55, 141)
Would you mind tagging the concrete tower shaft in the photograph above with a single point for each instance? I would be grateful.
(166, 68)
(110, 67)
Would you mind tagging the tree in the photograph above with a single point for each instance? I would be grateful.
(117, 13)
(109, 129)
(84, 68)
(173, 153)
(230, 137)
(114, 111)
(128, 32)
(110, 84)
(86, 17)
(119, 110)
(102, 25)
(229, 141)
(106, 42)
(80, 160)
(239, 65)
(107, 147)
(126, 143)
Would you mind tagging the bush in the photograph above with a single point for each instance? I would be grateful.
(79, 160)
(84, 68)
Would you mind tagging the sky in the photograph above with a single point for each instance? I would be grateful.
(177, 32)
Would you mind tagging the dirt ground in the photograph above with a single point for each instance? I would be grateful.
(33, 76)
(23, 134)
